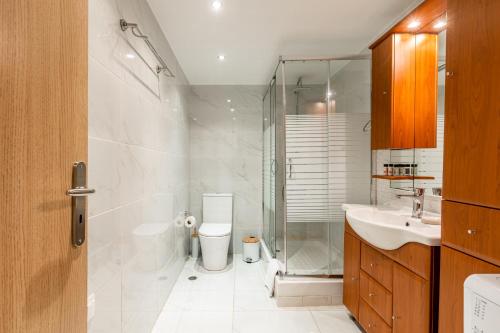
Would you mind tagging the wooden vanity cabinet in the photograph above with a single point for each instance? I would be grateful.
(351, 273)
(404, 92)
(397, 291)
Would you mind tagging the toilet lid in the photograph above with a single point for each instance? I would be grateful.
(215, 229)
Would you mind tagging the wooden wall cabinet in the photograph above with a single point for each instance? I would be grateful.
(471, 178)
(404, 92)
(472, 118)
(396, 290)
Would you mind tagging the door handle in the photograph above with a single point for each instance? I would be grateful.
(78, 203)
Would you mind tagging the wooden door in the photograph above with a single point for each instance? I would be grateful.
(472, 117)
(455, 268)
(382, 65)
(351, 273)
(411, 302)
(43, 131)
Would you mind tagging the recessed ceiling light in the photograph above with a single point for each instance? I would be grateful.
(234, 118)
(232, 109)
(228, 100)
(216, 5)
(221, 57)
(130, 55)
(265, 118)
(414, 24)
(439, 24)
(195, 119)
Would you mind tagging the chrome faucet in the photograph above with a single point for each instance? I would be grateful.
(418, 202)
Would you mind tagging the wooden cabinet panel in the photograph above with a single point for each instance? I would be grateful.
(472, 229)
(455, 268)
(371, 321)
(414, 256)
(382, 64)
(472, 117)
(374, 294)
(404, 92)
(411, 302)
(352, 253)
(377, 266)
(403, 87)
(426, 88)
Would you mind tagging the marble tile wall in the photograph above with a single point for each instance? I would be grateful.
(139, 165)
(226, 152)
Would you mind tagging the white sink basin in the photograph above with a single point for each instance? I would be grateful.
(389, 228)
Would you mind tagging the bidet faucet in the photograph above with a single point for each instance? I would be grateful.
(418, 202)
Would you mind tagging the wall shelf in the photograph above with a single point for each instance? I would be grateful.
(401, 177)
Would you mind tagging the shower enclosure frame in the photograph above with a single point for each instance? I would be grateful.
(280, 69)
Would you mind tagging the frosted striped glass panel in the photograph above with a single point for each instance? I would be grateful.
(349, 162)
(328, 164)
(307, 168)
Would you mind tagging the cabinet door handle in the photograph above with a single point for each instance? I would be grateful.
(384, 92)
(471, 231)
(371, 294)
(450, 74)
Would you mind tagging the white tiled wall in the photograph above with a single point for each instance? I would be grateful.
(226, 152)
(139, 165)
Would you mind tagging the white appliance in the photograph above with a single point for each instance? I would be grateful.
(482, 303)
(215, 232)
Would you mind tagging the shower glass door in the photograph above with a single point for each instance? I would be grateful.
(327, 156)
(307, 168)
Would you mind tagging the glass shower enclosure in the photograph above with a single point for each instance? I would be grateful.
(316, 156)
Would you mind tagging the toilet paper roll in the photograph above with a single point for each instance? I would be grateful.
(190, 222)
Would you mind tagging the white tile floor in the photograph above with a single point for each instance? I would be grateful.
(236, 301)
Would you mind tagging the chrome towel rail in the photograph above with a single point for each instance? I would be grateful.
(162, 67)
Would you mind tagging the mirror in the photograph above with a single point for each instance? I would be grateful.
(428, 162)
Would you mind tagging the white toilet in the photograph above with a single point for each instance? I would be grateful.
(215, 231)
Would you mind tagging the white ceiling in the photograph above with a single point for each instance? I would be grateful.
(252, 34)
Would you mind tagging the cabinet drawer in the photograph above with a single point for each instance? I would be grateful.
(472, 229)
(370, 320)
(377, 266)
(376, 296)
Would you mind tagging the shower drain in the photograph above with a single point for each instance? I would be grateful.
(192, 278)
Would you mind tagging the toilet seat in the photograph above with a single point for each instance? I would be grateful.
(215, 229)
